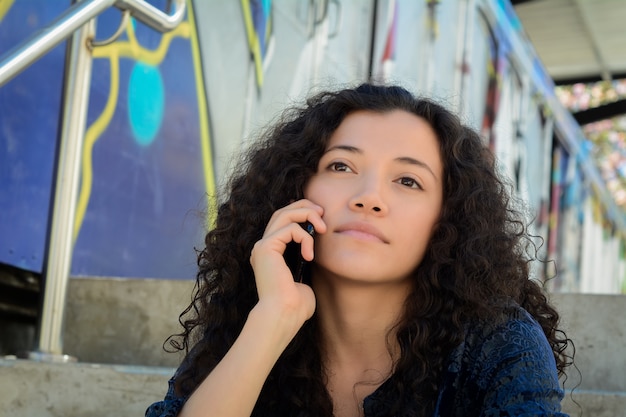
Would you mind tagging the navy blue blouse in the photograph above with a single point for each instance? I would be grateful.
(499, 370)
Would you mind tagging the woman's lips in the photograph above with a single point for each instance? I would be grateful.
(361, 230)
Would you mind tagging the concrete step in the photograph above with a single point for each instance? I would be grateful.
(595, 403)
(42, 389)
(116, 329)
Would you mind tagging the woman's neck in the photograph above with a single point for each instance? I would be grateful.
(357, 320)
(359, 347)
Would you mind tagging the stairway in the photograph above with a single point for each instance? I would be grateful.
(116, 329)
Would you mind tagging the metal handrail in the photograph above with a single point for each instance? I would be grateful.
(78, 23)
(153, 17)
(40, 43)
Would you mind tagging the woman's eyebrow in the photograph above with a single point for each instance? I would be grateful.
(349, 148)
(417, 162)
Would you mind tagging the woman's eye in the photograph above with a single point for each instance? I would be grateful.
(339, 167)
(409, 182)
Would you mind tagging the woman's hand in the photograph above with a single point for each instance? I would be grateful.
(279, 295)
(233, 386)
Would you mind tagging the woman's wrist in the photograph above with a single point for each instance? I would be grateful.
(278, 325)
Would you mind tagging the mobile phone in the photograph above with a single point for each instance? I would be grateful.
(299, 275)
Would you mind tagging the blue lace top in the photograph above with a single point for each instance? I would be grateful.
(499, 370)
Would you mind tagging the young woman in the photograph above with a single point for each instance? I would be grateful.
(414, 298)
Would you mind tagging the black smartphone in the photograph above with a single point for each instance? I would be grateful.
(299, 275)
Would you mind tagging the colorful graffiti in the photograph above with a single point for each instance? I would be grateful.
(30, 105)
(147, 177)
(391, 32)
(146, 158)
(258, 21)
(147, 168)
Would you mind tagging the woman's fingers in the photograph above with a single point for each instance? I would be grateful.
(275, 283)
(285, 226)
(300, 211)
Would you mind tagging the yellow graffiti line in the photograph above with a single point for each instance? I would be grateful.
(130, 32)
(203, 118)
(132, 49)
(5, 5)
(91, 136)
(113, 52)
(253, 42)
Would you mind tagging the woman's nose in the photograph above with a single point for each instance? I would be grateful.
(369, 198)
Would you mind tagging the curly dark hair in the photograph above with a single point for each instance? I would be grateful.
(477, 261)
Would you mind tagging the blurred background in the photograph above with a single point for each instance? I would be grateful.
(119, 121)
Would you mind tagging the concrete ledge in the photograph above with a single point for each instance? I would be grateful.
(44, 389)
(596, 325)
(126, 321)
(123, 321)
(41, 389)
(595, 404)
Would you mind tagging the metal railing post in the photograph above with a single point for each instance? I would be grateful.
(60, 243)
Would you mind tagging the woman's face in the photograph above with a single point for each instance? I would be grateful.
(380, 184)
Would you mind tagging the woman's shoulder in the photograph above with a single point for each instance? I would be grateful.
(511, 332)
(511, 320)
(504, 366)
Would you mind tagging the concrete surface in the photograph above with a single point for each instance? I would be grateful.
(597, 325)
(126, 321)
(36, 389)
(115, 322)
(33, 389)
(123, 321)
(595, 404)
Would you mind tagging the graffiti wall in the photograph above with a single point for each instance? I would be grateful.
(30, 109)
(169, 112)
(147, 166)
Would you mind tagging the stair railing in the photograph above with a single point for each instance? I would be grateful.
(79, 24)
(20, 57)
